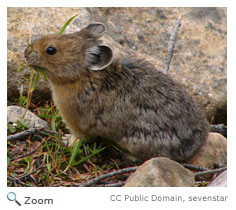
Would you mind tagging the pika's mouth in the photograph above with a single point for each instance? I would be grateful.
(33, 59)
(38, 68)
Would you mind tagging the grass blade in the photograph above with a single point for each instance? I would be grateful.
(53, 123)
(66, 24)
(74, 154)
(35, 81)
(42, 72)
(87, 157)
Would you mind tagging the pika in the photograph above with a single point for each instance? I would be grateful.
(127, 101)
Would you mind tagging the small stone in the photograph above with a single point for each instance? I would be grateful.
(213, 154)
(15, 113)
(219, 181)
(161, 172)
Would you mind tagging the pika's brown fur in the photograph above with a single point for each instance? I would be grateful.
(125, 100)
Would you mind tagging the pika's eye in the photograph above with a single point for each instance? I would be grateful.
(51, 50)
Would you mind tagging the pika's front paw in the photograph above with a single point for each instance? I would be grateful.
(131, 158)
(69, 140)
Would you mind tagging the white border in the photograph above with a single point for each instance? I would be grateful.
(99, 198)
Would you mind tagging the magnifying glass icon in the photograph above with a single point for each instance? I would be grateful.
(11, 196)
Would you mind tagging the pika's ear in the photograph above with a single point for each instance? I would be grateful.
(98, 57)
(96, 28)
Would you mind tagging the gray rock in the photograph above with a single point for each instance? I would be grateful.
(161, 172)
(219, 181)
(199, 61)
(213, 154)
(15, 113)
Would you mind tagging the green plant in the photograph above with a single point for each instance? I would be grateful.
(78, 152)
